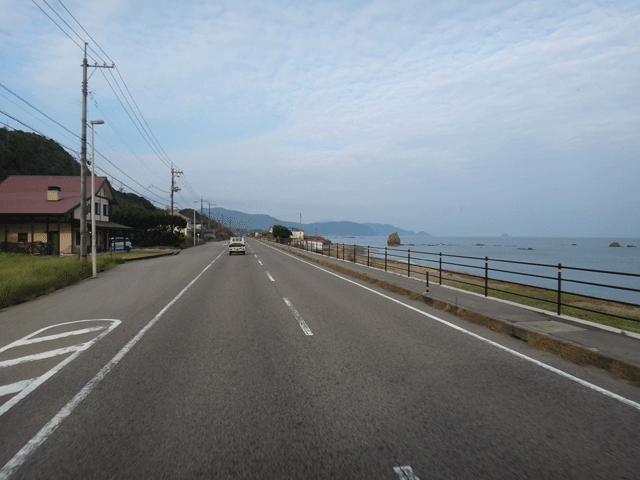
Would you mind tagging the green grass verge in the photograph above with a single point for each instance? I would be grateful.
(511, 293)
(23, 277)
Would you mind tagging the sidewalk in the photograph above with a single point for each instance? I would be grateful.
(518, 320)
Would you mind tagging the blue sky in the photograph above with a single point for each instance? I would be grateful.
(454, 117)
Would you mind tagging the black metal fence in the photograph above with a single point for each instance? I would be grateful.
(488, 273)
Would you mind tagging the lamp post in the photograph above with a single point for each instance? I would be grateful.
(93, 200)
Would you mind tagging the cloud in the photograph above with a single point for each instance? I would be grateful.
(380, 104)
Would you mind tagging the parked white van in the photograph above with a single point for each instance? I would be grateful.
(237, 245)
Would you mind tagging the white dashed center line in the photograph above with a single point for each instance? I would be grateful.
(405, 473)
(270, 277)
(303, 325)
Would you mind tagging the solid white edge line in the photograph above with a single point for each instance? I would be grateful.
(557, 371)
(301, 322)
(40, 437)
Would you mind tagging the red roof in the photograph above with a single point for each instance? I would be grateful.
(28, 194)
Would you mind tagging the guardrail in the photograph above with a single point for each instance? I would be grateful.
(492, 272)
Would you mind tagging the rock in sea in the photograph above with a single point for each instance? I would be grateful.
(393, 239)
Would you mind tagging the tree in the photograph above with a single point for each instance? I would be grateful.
(280, 231)
(150, 228)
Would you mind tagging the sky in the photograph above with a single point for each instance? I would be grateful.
(458, 118)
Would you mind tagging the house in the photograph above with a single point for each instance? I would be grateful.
(42, 214)
(297, 233)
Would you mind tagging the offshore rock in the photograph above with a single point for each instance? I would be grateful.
(393, 239)
(615, 244)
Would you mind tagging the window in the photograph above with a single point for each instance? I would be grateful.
(77, 238)
(105, 210)
(23, 237)
(88, 208)
(97, 208)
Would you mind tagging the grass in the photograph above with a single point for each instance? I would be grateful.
(24, 277)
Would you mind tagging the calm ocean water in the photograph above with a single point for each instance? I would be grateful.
(590, 253)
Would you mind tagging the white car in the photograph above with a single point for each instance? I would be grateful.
(120, 243)
(237, 245)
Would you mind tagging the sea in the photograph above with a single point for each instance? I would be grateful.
(571, 253)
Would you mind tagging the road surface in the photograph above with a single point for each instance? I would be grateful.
(205, 365)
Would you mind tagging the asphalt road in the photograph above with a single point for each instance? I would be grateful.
(206, 365)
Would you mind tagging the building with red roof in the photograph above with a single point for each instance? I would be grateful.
(46, 210)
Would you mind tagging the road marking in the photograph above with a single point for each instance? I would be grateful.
(59, 335)
(15, 387)
(45, 432)
(255, 255)
(259, 262)
(405, 473)
(270, 277)
(41, 356)
(301, 322)
(25, 387)
(557, 371)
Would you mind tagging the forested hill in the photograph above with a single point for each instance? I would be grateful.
(25, 153)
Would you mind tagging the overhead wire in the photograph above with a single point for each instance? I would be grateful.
(148, 135)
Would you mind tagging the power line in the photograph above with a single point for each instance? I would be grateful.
(38, 110)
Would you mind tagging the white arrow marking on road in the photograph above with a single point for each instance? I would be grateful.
(25, 387)
(405, 473)
(303, 325)
(32, 445)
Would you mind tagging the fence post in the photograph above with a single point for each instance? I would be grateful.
(559, 287)
(486, 275)
(440, 268)
(343, 251)
(354, 254)
(408, 262)
(385, 259)
(367, 255)
(427, 275)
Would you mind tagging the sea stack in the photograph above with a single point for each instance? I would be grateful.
(393, 239)
(614, 244)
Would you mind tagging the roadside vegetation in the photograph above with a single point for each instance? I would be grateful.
(24, 277)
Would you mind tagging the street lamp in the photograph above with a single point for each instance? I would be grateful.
(93, 200)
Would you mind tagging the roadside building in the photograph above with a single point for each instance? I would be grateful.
(41, 214)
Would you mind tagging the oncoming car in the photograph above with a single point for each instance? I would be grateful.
(236, 245)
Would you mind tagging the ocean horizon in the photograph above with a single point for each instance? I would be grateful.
(592, 253)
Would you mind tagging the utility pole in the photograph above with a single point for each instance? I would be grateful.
(201, 222)
(174, 173)
(83, 158)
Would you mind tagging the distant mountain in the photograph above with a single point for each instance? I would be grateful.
(386, 229)
(247, 222)
(338, 228)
